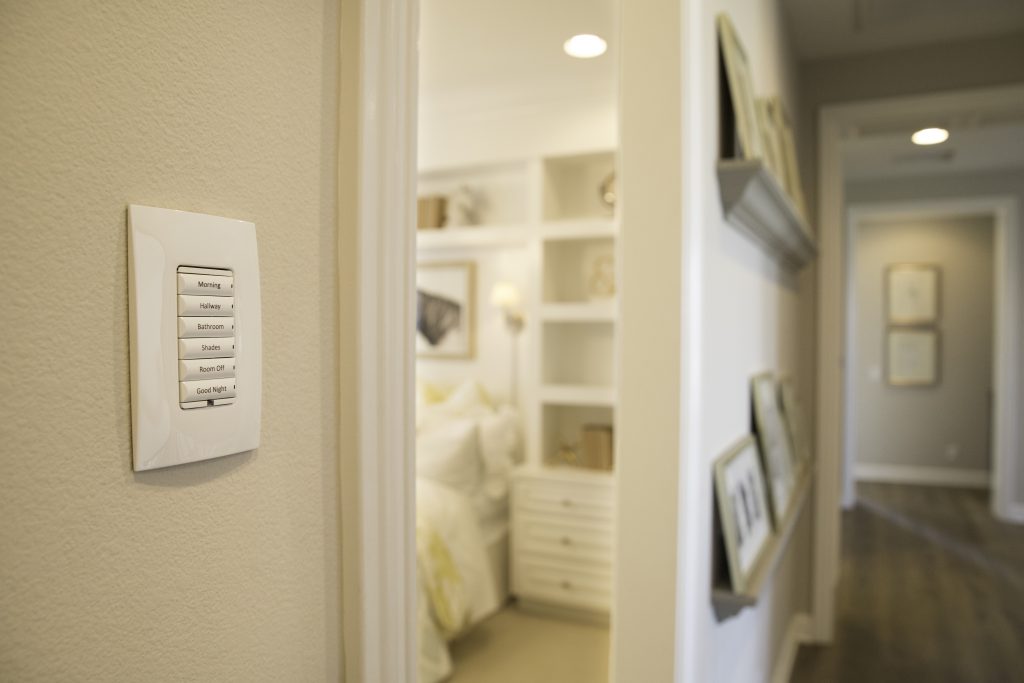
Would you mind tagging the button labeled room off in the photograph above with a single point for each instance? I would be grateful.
(208, 285)
(205, 327)
(206, 368)
(206, 390)
(206, 305)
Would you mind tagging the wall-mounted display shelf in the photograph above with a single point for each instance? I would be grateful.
(755, 202)
(579, 229)
(484, 237)
(728, 603)
(581, 312)
(577, 395)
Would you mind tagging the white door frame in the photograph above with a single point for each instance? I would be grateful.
(377, 188)
(833, 121)
(1004, 212)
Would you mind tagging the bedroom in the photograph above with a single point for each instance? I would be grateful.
(516, 332)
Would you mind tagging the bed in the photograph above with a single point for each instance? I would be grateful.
(466, 447)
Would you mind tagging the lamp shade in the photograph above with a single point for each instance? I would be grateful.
(505, 296)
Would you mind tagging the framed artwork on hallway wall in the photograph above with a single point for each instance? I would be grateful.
(742, 510)
(912, 294)
(912, 357)
(776, 449)
(445, 315)
(740, 101)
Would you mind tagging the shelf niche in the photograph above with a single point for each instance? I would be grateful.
(756, 204)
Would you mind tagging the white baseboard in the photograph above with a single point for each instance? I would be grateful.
(929, 476)
(1014, 513)
(797, 632)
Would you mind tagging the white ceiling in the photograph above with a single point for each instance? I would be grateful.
(473, 47)
(826, 28)
(968, 150)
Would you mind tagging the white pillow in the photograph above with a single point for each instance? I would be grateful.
(500, 441)
(449, 455)
(467, 400)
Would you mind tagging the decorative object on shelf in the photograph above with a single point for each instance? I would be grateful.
(740, 101)
(445, 316)
(505, 297)
(773, 438)
(789, 164)
(742, 510)
(794, 413)
(597, 447)
(568, 454)
(608, 191)
(912, 357)
(601, 277)
(464, 207)
(430, 212)
(912, 294)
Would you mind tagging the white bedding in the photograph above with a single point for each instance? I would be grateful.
(465, 451)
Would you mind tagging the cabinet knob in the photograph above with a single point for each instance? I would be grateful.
(567, 585)
(566, 503)
(566, 540)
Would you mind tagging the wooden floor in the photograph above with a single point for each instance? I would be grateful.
(931, 589)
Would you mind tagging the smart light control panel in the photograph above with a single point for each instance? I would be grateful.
(194, 327)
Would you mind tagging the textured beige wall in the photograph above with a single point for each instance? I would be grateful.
(219, 571)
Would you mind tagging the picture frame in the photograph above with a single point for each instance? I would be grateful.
(912, 293)
(773, 438)
(743, 512)
(446, 310)
(912, 357)
(741, 90)
(794, 414)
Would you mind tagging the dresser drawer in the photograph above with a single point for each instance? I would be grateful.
(562, 499)
(563, 585)
(576, 541)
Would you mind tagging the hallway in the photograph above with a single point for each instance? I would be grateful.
(931, 589)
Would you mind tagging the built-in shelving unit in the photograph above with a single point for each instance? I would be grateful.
(486, 237)
(755, 202)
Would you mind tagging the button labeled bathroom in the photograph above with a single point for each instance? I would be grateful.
(210, 285)
(205, 390)
(206, 305)
(223, 347)
(206, 368)
(205, 327)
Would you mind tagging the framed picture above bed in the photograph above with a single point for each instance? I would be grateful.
(445, 310)
(742, 510)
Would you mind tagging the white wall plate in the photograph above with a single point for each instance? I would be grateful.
(166, 432)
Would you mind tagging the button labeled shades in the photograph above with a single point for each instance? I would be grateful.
(202, 347)
(206, 305)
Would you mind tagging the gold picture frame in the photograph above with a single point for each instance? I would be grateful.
(913, 294)
(743, 511)
(446, 310)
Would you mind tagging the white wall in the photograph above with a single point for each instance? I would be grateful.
(750, 322)
(221, 570)
(942, 427)
(999, 184)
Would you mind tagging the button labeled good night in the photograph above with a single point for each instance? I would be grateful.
(206, 305)
(206, 368)
(208, 285)
(206, 390)
(206, 348)
(205, 327)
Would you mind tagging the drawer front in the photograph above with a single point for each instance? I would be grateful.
(549, 582)
(555, 498)
(578, 542)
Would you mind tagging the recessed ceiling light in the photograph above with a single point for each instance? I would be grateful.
(930, 136)
(585, 46)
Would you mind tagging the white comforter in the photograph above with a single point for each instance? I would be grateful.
(455, 585)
